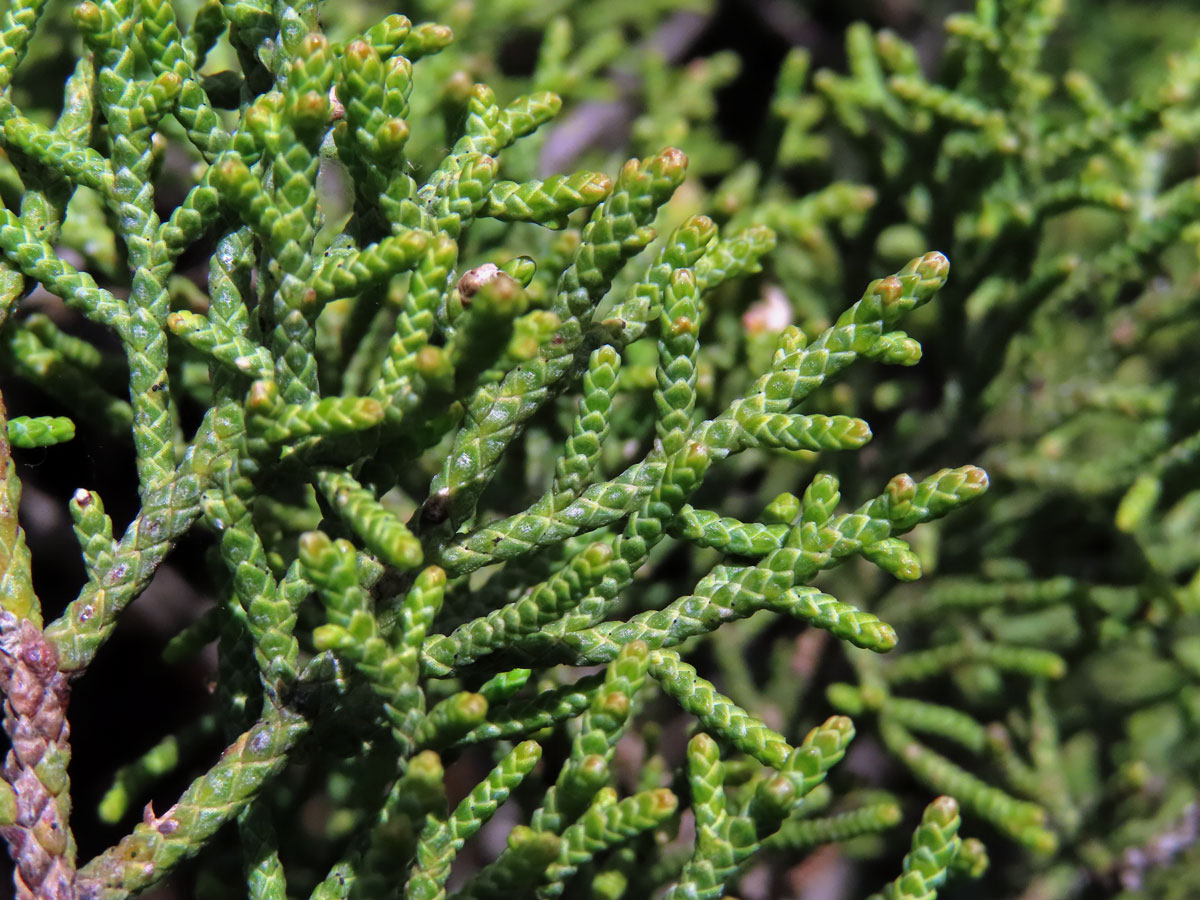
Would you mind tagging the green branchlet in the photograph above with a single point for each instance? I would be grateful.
(935, 845)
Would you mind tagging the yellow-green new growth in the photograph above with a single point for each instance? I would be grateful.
(935, 844)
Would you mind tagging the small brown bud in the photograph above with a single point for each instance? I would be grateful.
(473, 280)
(359, 53)
(889, 290)
(313, 43)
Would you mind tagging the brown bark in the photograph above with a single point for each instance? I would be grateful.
(35, 707)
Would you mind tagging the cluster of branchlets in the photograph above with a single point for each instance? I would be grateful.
(445, 456)
(362, 389)
(1070, 218)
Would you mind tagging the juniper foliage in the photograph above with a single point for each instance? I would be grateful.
(455, 425)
